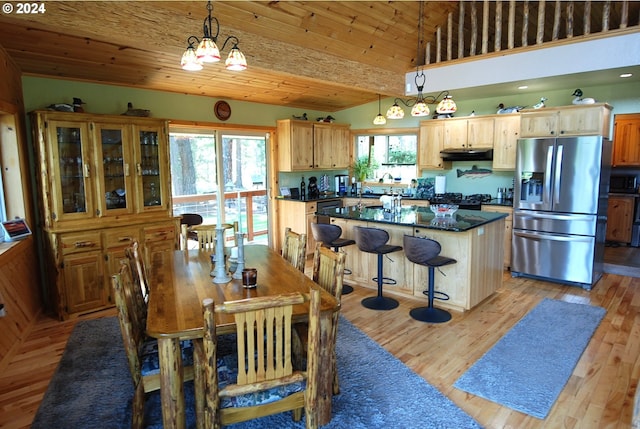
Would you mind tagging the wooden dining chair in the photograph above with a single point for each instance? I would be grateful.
(139, 276)
(206, 235)
(187, 221)
(328, 272)
(142, 352)
(258, 379)
(294, 248)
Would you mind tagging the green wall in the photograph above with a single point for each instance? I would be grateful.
(106, 99)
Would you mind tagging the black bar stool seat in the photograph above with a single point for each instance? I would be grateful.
(426, 252)
(329, 234)
(374, 240)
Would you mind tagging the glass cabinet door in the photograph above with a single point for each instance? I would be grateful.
(113, 163)
(72, 196)
(151, 169)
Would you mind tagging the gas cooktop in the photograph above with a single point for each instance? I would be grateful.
(469, 202)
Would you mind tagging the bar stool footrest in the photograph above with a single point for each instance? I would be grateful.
(430, 315)
(386, 281)
(437, 295)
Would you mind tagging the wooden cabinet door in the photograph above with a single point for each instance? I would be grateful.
(455, 134)
(583, 120)
(507, 132)
(620, 218)
(310, 217)
(114, 168)
(538, 123)
(295, 145)
(356, 261)
(159, 242)
(430, 143)
(508, 227)
(71, 172)
(480, 132)
(83, 282)
(626, 140)
(322, 145)
(341, 148)
(152, 181)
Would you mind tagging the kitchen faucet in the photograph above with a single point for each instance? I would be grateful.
(384, 176)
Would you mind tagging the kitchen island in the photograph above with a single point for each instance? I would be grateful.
(474, 238)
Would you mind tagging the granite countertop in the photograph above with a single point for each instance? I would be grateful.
(423, 217)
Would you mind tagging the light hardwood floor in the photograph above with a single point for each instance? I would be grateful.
(599, 394)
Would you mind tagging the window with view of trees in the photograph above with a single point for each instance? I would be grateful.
(394, 154)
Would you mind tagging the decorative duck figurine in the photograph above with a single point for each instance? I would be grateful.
(76, 106)
(540, 104)
(512, 109)
(303, 117)
(579, 100)
(136, 112)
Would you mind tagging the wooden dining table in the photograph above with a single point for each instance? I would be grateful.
(181, 279)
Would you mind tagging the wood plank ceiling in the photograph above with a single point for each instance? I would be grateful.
(320, 55)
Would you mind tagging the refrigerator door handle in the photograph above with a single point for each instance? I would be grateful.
(547, 185)
(557, 174)
(552, 237)
(552, 216)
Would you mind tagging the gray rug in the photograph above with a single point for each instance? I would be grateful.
(527, 369)
(92, 388)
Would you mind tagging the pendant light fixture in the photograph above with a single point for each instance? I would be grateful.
(419, 105)
(207, 50)
(380, 119)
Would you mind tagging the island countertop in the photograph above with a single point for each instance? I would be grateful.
(423, 217)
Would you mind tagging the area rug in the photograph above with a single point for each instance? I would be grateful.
(377, 390)
(527, 368)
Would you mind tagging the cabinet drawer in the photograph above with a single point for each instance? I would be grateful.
(120, 237)
(81, 242)
(311, 207)
(159, 233)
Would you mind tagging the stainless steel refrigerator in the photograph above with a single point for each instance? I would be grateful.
(560, 209)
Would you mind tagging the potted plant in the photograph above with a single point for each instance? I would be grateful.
(363, 167)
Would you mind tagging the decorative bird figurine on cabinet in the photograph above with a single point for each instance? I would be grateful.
(540, 104)
(136, 112)
(579, 100)
(76, 106)
(512, 109)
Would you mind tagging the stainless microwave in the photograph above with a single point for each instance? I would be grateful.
(625, 184)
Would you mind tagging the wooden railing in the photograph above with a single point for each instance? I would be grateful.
(206, 206)
(584, 18)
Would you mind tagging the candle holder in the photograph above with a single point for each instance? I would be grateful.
(240, 240)
(221, 275)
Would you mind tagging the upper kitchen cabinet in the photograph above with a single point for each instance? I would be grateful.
(95, 166)
(467, 133)
(575, 120)
(430, 143)
(626, 140)
(507, 132)
(305, 145)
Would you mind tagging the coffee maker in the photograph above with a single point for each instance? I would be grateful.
(313, 192)
(341, 184)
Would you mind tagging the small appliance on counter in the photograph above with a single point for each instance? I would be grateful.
(341, 184)
(313, 192)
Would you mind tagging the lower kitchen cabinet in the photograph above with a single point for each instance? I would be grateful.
(297, 215)
(81, 263)
(620, 218)
(508, 228)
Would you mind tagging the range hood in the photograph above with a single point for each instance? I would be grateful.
(467, 154)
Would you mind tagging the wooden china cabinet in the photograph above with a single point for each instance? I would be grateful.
(103, 183)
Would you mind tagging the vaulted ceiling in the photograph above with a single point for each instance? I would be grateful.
(320, 55)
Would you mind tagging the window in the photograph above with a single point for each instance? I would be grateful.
(194, 177)
(395, 154)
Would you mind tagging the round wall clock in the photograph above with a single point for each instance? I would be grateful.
(222, 110)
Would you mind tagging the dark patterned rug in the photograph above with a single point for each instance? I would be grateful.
(92, 388)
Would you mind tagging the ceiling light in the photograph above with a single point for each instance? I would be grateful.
(207, 50)
(626, 75)
(447, 106)
(419, 105)
(379, 120)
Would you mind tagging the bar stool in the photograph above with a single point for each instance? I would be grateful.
(329, 235)
(374, 240)
(426, 252)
